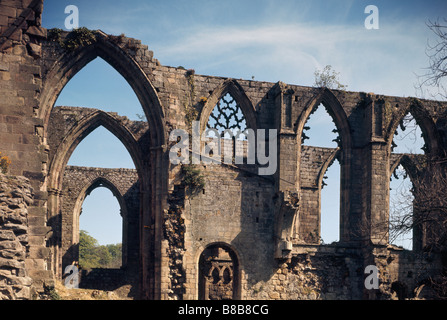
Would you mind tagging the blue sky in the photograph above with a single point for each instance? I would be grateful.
(268, 40)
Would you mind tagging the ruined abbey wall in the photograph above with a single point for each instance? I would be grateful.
(78, 183)
(242, 235)
(15, 197)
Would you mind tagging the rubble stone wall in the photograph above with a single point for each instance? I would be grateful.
(16, 195)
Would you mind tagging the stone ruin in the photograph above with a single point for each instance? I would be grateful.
(241, 235)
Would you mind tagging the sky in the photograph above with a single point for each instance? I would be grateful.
(263, 40)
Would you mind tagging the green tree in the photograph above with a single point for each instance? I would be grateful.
(115, 251)
(87, 251)
(93, 255)
(104, 256)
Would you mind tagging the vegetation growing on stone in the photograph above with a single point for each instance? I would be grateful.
(192, 177)
(5, 162)
(80, 37)
(328, 78)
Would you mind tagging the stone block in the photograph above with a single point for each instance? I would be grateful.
(7, 235)
(39, 252)
(37, 31)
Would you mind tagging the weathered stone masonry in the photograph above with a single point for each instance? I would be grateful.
(242, 235)
(15, 196)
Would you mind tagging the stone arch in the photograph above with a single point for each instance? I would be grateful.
(232, 87)
(424, 121)
(329, 161)
(104, 182)
(59, 162)
(58, 72)
(334, 108)
(83, 128)
(326, 166)
(410, 163)
(77, 210)
(68, 64)
(152, 168)
(212, 262)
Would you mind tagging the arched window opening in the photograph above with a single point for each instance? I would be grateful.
(101, 149)
(320, 129)
(98, 85)
(113, 83)
(320, 133)
(401, 209)
(218, 274)
(227, 119)
(227, 136)
(101, 218)
(100, 231)
(408, 139)
(330, 204)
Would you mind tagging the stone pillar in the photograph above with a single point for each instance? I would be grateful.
(287, 172)
(20, 129)
(287, 142)
(377, 174)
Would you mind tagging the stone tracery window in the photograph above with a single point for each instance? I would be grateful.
(227, 115)
(218, 279)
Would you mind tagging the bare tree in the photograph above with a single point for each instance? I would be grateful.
(425, 213)
(425, 209)
(436, 74)
(328, 78)
(401, 208)
(430, 206)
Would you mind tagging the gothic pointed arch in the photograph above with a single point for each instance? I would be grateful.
(59, 67)
(409, 163)
(55, 181)
(106, 183)
(233, 88)
(85, 191)
(83, 128)
(335, 109)
(68, 64)
(423, 120)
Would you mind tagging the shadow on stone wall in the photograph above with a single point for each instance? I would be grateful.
(109, 280)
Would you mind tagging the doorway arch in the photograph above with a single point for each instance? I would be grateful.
(219, 273)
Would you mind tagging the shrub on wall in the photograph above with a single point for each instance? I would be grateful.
(4, 163)
(193, 178)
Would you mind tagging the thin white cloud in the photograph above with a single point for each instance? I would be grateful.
(364, 58)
